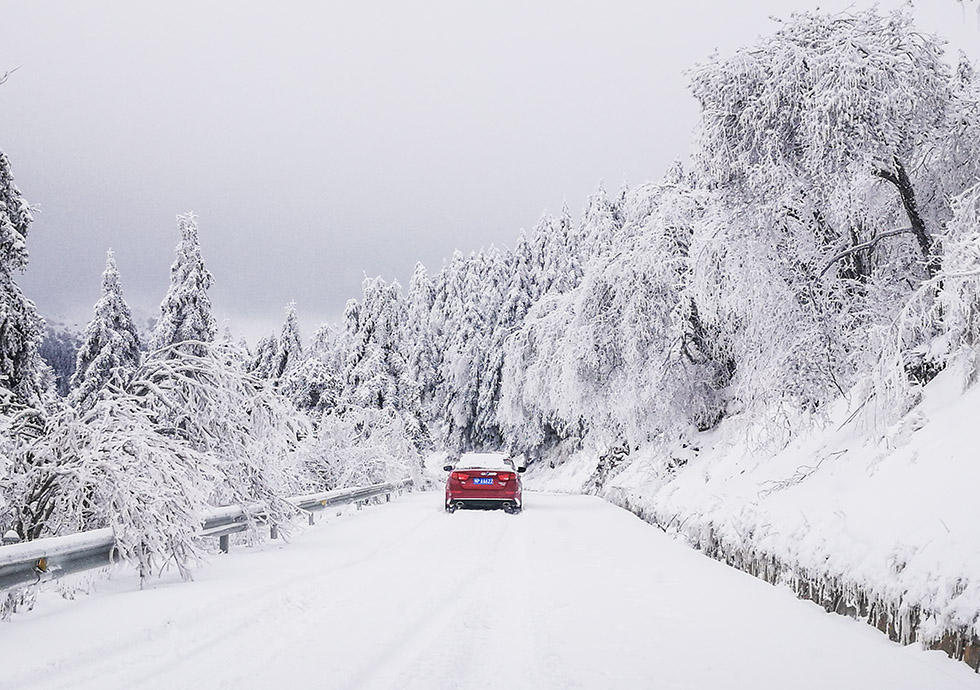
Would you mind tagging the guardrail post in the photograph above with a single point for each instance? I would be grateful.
(312, 519)
(224, 543)
(387, 498)
(274, 532)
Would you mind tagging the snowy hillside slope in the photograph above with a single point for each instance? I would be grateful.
(886, 530)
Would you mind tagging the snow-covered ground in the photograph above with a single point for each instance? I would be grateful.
(894, 518)
(572, 593)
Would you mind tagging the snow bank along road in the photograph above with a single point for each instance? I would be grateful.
(572, 593)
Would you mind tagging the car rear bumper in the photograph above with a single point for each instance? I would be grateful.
(494, 501)
(484, 498)
(509, 504)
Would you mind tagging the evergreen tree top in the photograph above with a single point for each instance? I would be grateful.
(186, 310)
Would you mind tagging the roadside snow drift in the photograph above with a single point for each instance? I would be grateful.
(887, 525)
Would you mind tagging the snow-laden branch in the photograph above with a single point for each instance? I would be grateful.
(865, 245)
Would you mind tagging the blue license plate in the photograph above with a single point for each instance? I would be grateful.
(483, 480)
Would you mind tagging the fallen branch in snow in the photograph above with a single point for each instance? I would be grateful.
(802, 472)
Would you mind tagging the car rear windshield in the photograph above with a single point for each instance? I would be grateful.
(485, 461)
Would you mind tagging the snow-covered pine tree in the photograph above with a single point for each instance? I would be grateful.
(493, 274)
(422, 355)
(290, 343)
(185, 314)
(111, 344)
(21, 328)
(237, 356)
(59, 350)
(600, 225)
(265, 358)
(467, 330)
(375, 372)
(312, 383)
(275, 355)
(557, 256)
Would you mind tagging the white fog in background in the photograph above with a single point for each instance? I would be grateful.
(319, 142)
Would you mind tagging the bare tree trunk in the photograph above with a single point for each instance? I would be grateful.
(906, 192)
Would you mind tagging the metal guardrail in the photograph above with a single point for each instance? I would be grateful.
(42, 560)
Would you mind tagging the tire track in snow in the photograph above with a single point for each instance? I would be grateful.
(572, 593)
(202, 632)
(427, 624)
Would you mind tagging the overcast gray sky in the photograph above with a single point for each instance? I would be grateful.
(319, 141)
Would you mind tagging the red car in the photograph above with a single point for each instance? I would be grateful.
(484, 480)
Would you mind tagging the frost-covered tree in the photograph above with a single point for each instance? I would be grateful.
(59, 350)
(110, 466)
(290, 343)
(601, 224)
(938, 325)
(826, 116)
(275, 355)
(249, 428)
(111, 344)
(314, 383)
(470, 289)
(556, 262)
(376, 372)
(311, 385)
(21, 329)
(264, 360)
(617, 358)
(360, 447)
(822, 147)
(422, 354)
(22, 372)
(185, 314)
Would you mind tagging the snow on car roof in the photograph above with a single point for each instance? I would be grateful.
(486, 461)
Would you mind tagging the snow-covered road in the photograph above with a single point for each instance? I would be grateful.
(572, 593)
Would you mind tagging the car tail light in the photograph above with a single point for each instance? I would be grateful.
(504, 476)
(461, 476)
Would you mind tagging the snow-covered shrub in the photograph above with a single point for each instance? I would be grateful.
(938, 326)
(249, 429)
(359, 447)
(110, 467)
(958, 284)
(20, 426)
